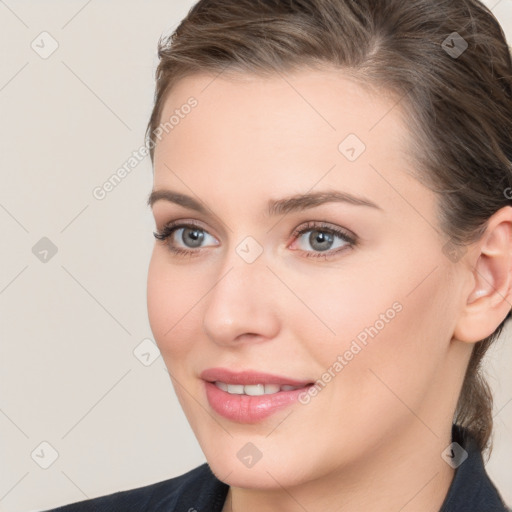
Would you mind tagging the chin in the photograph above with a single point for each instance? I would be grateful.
(266, 473)
(257, 477)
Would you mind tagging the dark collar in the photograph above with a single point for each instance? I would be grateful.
(471, 489)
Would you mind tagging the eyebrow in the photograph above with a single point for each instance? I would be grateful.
(275, 206)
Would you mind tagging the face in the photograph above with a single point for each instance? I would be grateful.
(353, 293)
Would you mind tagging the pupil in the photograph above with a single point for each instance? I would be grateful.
(321, 237)
(196, 235)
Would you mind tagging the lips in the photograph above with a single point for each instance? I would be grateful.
(249, 377)
(237, 395)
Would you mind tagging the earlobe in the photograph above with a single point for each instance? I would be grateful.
(490, 299)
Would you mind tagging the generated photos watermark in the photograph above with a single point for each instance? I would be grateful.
(356, 346)
(100, 192)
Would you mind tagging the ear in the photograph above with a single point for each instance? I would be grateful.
(490, 298)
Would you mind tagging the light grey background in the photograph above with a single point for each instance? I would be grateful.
(69, 326)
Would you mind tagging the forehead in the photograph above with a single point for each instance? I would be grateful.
(283, 132)
(313, 105)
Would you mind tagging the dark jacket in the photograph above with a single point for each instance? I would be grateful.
(200, 491)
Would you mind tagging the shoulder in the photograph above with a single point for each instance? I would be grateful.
(197, 489)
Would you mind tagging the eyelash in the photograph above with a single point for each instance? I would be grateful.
(169, 229)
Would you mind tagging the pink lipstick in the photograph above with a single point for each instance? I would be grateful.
(250, 396)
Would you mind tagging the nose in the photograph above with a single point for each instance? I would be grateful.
(242, 304)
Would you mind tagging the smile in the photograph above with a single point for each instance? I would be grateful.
(254, 389)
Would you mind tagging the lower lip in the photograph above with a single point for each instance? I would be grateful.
(246, 408)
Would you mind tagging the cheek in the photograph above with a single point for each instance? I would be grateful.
(158, 297)
(391, 322)
(338, 306)
(402, 357)
(170, 301)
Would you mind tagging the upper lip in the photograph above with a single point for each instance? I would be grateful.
(248, 377)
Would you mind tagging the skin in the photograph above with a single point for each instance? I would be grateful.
(372, 438)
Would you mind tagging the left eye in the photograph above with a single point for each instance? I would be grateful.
(322, 239)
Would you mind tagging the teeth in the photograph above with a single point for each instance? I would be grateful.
(271, 389)
(235, 389)
(253, 389)
(288, 388)
(222, 386)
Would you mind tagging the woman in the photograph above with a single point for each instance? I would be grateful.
(332, 199)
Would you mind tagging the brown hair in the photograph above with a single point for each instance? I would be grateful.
(459, 105)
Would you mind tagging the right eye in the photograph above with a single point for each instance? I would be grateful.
(189, 235)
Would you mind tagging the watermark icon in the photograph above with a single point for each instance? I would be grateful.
(352, 147)
(508, 193)
(249, 455)
(454, 45)
(453, 251)
(146, 352)
(249, 249)
(349, 354)
(44, 45)
(44, 455)
(100, 192)
(454, 455)
(44, 250)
